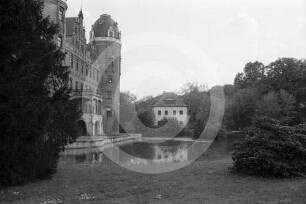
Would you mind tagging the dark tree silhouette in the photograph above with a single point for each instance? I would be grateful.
(37, 116)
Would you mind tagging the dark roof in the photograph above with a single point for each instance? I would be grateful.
(169, 100)
(69, 25)
(102, 25)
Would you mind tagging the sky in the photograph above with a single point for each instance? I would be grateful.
(168, 43)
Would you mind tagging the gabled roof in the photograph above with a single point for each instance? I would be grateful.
(169, 100)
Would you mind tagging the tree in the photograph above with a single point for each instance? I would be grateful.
(127, 111)
(301, 104)
(252, 75)
(277, 105)
(193, 94)
(287, 73)
(38, 117)
(143, 121)
(242, 109)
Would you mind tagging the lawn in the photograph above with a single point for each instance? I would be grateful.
(201, 182)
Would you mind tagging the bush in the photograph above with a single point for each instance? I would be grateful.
(271, 149)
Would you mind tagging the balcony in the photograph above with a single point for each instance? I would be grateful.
(86, 93)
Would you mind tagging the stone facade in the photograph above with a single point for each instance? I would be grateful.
(94, 67)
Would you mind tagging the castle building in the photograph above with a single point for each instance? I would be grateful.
(94, 67)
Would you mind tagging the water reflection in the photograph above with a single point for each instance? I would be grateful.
(138, 153)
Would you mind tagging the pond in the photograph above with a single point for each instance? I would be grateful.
(141, 152)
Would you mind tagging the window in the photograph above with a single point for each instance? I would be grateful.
(90, 73)
(77, 67)
(61, 14)
(166, 112)
(159, 112)
(71, 82)
(71, 61)
(181, 123)
(59, 41)
(100, 21)
(81, 86)
(108, 94)
(86, 71)
(174, 112)
(82, 69)
(181, 112)
(108, 112)
(110, 78)
(111, 33)
(76, 85)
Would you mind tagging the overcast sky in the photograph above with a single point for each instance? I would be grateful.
(167, 43)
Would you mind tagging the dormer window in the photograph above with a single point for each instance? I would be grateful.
(111, 33)
(100, 21)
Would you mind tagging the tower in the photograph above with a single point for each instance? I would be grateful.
(56, 10)
(105, 39)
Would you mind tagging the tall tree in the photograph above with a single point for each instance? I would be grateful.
(127, 111)
(252, 75)
(287, 73)
(277, 105)
(242, 109)
(193, 94)
(37, 115)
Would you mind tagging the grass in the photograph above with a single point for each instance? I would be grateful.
(201, 182)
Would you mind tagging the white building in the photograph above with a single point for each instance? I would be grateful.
(170, 106)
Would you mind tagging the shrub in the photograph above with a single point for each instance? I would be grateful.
(271, 149)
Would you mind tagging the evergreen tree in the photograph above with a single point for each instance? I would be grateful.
(37, 115)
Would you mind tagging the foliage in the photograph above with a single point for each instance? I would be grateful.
(143, 122)
(193, 95)
(284, 77)
(127, 111)
(38, 117)
(277, 105)
(253, 73)
(287, 73)
(301, 104)
(242, 109)
(271, 149)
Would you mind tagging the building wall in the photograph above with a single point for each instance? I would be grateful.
(91, 68)
(84, 79)
(181, 118)
(84, 75)
(109, 52)
(51, 9)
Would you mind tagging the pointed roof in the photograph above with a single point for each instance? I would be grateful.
(81, 13)
(169, 99)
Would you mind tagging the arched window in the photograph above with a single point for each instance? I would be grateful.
(111, 32)
(108, 112)
(99, 107)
